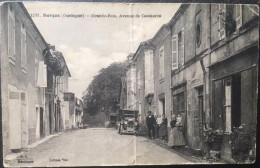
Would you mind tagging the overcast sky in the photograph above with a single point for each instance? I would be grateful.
(89, 44)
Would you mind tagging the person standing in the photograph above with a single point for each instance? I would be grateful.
(163, 129)
(173, 129)
(158, 125)
(179, 134)
(150, 122)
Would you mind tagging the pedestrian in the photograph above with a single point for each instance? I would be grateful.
(173, 129)
(150, 122)
(163, 128)
(158, 125)
(176, 134)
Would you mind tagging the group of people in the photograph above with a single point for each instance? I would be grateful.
(157, 128)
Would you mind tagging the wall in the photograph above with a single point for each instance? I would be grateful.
(163, 86)
(23, 81)
(189, 77)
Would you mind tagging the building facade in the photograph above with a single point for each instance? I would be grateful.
(35, 79)
(205, 68)
(162, 71)
(142, 69)
(24, 78)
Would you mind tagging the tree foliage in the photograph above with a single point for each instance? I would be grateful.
(103, 92)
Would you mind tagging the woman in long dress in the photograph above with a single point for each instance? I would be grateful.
(163, 128)
(176, 135)
(179, 134)
(173, 129)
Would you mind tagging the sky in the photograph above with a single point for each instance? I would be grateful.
(91, 43)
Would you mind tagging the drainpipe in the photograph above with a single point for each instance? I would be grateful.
(204, 93)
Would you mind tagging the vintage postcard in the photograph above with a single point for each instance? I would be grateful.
(109, 83)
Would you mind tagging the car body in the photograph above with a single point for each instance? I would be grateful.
(128, 122)
(113, 119)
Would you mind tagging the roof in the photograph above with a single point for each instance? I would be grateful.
(33, 24)
(141, 47)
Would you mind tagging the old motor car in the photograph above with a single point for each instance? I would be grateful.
(128, 122)
(112, 119)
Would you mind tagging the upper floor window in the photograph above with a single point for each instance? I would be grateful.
(11, 33)
(23, 48)
(181, 46)
(238, 9)
(174, 60)
(198, 34)
(221, 20)
(161, 60)
(178, 55)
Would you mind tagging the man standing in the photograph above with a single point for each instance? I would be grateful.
(150, 122)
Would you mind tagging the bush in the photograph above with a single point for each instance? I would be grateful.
(242, 140)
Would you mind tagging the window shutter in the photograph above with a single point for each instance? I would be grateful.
(44, 70)
(222, 15)
(182, 40)
(238, 16)
(11, 33)
(42, 75)
(174, 52)
(161, 55)
(23, 47)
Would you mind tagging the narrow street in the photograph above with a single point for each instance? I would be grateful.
(99, 146)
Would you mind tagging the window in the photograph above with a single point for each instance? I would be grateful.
(11, 34)
(161, 59)
(198, 34)
(227, 103)
(181, 46)
(23, 47)
(221, 21)
(238, 9)
(174, 60)
(180, 103)
(139, 80)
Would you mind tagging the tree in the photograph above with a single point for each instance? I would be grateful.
(103, 92)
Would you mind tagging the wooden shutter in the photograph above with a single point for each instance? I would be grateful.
(182, 45)
(174, 52)
(44, 71)
(222, 15)
(218, 104)
(238, 16)
(11, 33)
(23, 47)
(161, 58)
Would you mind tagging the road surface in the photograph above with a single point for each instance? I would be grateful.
(98, 146)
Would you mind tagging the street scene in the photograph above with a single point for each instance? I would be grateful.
(106, 147)
(107, 84)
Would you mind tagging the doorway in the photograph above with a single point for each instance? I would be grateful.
(41, 123)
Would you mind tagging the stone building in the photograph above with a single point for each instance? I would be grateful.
(161, 43)
(35, 78)
(78, 111)
(69, 103)
(57, 75)
(130, 84)
(24, 79)
(214, 80)
(205, 67)
(233, 69)
(143, 85)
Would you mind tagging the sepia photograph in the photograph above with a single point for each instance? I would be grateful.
(128, 83)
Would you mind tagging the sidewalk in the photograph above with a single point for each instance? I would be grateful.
(182, 151)
(11, 159)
